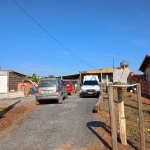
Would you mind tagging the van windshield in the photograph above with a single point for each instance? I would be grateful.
(90, 82)
(47, 83)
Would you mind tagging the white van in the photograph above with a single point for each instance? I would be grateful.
(90, 77)
(91, 86)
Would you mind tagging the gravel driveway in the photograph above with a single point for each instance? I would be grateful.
(55, 127)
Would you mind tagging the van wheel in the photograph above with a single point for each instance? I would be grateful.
(37, 102)
(81, 95)
(60, 100)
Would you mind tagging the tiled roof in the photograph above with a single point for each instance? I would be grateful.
(148, 55)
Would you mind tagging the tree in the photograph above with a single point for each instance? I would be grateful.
(51, 76)
(35, 78)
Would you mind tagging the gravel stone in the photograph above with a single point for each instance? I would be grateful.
(53, 125)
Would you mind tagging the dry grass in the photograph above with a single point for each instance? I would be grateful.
(131, 114)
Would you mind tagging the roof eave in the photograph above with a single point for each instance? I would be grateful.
(142, 64)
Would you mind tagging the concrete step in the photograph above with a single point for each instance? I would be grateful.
(3, 95)
(16, 94)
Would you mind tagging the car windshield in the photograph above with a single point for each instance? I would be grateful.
(47, 83)
(90, 82)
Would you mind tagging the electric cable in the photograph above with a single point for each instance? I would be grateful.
(51, 35)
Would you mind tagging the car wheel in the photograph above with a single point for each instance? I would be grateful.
(37, 102)
(60, 100)
(66, 96)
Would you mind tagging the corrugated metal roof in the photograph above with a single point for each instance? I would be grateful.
(15, 72)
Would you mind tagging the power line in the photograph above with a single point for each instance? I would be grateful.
(51, 35)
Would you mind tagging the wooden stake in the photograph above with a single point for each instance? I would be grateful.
(98, 106)
(112, 119)
(122, 120)
(141, 124)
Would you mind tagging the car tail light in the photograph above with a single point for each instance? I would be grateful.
(70, 85)
(37, 90)
(57, 90)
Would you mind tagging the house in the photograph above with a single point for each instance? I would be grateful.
(145, 68)
(9, 80)
(105, 75)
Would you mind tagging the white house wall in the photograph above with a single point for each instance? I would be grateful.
(148, 74)
(121, 75)
(3, 84)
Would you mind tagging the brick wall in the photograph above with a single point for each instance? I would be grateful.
(26, 87)
(140, 79)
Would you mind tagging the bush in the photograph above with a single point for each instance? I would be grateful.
(115, 83)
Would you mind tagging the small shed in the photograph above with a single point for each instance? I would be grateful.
(9, 80)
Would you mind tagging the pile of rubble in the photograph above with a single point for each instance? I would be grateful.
(26, 87)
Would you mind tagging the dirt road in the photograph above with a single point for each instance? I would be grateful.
(54, 127)
(51, 126)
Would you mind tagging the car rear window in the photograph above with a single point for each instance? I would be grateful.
(47, 83)
(90, 82)
(66, 82)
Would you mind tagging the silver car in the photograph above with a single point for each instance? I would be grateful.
(51, 89)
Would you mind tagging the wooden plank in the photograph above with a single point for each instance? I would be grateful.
(141, 122)
(112, 119)
(97, 107)
(80, 78)
(14, 79)
(101, 83)
(104, 70)
(122, 120)
(107, 79)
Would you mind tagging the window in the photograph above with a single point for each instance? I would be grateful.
(61, 81)
(103, 76)
(47, 83)
(90, 82)
(66, 82)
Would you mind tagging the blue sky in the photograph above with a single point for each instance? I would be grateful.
(94, 31)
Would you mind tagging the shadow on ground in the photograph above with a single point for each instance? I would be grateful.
(99, 124)
(88, 96)
(146, 96)
(43, 102)
(4, 111)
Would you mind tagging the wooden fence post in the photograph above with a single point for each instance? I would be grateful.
(98, 106)
(141, 124)
(112, 119)
(122, 120)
